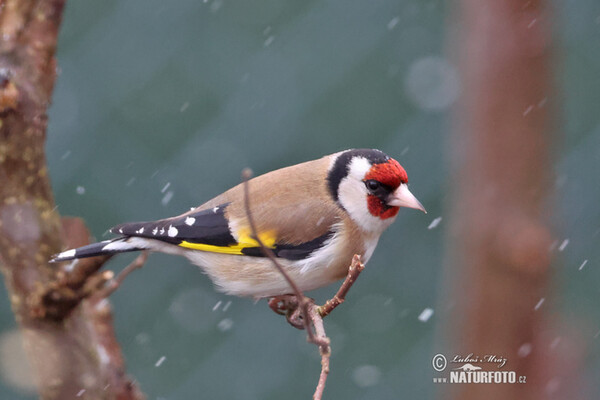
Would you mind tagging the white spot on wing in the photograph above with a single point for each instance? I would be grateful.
(190, 221)
(172, 231)
(162, 231)
(215, 209)
(154, 231)
(140, 231)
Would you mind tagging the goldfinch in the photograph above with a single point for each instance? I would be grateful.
(314, 216)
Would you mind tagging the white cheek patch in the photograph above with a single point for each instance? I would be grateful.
(353, 197)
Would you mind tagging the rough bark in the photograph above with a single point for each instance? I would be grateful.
(500, 238)
(78, 353)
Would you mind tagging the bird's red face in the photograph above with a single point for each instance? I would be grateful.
(370, 186)
(382, 180)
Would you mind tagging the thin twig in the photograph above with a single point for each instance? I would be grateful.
(298, 305)
(324, 350)
(304, 303)
(114, 284)
(353, 272)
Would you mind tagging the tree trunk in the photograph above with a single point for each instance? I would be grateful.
(78, 353)
(499, 240)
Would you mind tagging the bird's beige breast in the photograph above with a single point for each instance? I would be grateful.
(258, 277)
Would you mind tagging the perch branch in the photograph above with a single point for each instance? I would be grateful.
(353, 272)
(303, 301)
(301, 311)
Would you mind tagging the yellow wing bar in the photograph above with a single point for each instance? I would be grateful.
(244, 241)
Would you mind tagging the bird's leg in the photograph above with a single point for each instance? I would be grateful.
(281, 304)
(289, 305)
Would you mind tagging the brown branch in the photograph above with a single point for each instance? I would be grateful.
(63, 341)
(325, 351)
(353, 272)
(114, 284)
(303, 301)
(301, 311)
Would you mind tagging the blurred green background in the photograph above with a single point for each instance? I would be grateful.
(159, 105)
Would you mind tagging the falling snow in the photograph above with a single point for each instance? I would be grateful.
(552, 385)
(167, 198)
(216, 5)
(268, 41)
(164, 189)
(425, 314)
(160, 361)
(583, 264)
(366, 375)
(563, 245)
(524, 350)
(539, 304)
(80, 190)
(432, 83)
(435, 223)
(225, 324)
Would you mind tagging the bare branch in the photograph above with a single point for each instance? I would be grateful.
(303, 302)
(324, 350)
(114, 284)
(353, 272)
(299, 310)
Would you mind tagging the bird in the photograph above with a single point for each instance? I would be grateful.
(314, 216)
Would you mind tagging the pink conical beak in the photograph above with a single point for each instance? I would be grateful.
(402, 197)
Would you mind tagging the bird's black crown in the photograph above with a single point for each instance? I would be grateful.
(341, 167)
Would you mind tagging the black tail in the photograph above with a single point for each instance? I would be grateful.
(119, 245)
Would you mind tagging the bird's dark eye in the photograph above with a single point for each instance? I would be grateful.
(372, 185)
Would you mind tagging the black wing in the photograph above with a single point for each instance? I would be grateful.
(205, 226)
(208, 230)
